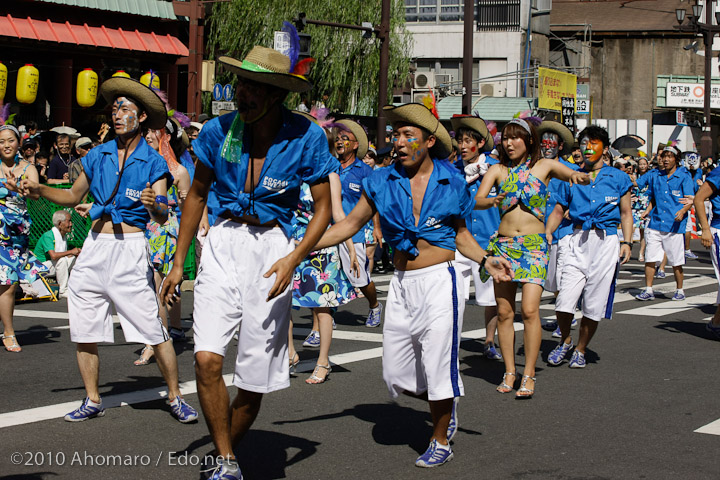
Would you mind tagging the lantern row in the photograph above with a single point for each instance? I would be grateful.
(87, 84)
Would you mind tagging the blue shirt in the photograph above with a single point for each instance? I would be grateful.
(695, 175)
(351, 179)
(559, 189)
(597, 205)
(101, 166)
(665, 192)
(298, 154)
(481, 223)
(713, 179)
(446, 199)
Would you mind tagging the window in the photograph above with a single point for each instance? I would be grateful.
(434, 11)
(501, 15)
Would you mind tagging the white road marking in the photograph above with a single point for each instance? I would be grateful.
(712, 428)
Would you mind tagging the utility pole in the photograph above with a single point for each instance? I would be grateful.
(468, 56)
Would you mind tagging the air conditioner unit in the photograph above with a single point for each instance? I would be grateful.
(418, 95)
(443, 80)
(424, 81)
(492, 89)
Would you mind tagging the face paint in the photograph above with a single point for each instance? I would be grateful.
(549, 145)
(591, 150)
(414, 145)
(125, 116)
(473, 149)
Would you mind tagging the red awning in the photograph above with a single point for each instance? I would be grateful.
(49, 31)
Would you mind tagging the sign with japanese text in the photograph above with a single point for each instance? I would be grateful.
(553, 86)
(690, 95)
(582, 103)
(568, 112)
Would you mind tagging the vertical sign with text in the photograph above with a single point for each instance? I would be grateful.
(568, 113)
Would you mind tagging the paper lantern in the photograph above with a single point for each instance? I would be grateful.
(121, 73)
(3, 81)
(145, 80)
(27, 84)
(87, 86)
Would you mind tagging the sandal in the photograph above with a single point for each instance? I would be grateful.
(524, 392)
(14, 347)
(144, 360)
(294, 360)
(314, 379)
(504, 387)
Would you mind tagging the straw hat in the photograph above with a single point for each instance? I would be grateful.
(305, 115)
(360, 135)
(152, 104)
(419, 115)
(474, 123)
(560, 130)
(268, 66)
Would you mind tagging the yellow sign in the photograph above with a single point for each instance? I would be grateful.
(554, 85)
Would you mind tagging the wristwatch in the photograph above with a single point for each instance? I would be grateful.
(484, 259)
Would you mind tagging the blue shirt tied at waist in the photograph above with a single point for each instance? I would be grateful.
(298, 154)
(597, 205)
(351, 178)
(557, 189)
(446, 199)
(481, 223)
(666, 191)
(102, 167)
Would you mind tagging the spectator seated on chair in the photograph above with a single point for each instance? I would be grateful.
(51, 250)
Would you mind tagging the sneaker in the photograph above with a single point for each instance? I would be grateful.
(690, 255)
(678, 296)
(223, 469)
(645, 296)
(453, 425)
(491, 353)
(374, 317)
(182, 410)
(86, 411)
(312, 340)
(577, 360)
(177, 334)
(573, 323)
(558, 354)
(435, 455)
(713, 329)
(557, 333)
(660, 273)
(549, 326)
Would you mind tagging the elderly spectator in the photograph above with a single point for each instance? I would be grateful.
(52, 251)
(57, 172)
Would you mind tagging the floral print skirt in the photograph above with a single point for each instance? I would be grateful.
(527, 254)
(18, 264)
(319, 281)
(162, 240)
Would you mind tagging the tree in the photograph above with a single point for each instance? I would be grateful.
(346, 64)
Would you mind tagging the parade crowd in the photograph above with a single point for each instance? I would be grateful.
(295, 210)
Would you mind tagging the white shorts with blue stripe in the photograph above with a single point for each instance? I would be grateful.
(421, 333)
(590, 269)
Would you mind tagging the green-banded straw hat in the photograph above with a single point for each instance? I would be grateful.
(268, 66)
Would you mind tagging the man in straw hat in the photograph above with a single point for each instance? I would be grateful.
(555, 141)
(671, 193)
(128, 180)
(423, 203)
(351, 145)
(256, 160)
(475, 141)
(594, 252)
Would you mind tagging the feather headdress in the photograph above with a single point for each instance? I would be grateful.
(429, 101)
(5, 116)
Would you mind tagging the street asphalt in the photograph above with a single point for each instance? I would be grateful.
(650, 384)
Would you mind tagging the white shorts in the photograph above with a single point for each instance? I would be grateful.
(363, 277)
(658, 244)
(114, 270)
(421, 333)
(230, 292)
(470, 270)
(590, 269)
(715, 253)
(556, 263)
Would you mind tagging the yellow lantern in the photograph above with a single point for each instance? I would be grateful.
(87, 85)
(3, 81)
(146, 79)
(121, 73)
(27, 84)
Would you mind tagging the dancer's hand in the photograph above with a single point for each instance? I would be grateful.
(499, 268)
(283, 270)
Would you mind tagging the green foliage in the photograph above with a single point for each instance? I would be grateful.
(346, 65)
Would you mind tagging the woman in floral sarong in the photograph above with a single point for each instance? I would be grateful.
(521, 178)
(17, 262)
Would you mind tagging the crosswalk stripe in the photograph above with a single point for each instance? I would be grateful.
(712, 428)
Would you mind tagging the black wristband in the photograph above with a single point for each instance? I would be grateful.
(482, 262)
(626, 243)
